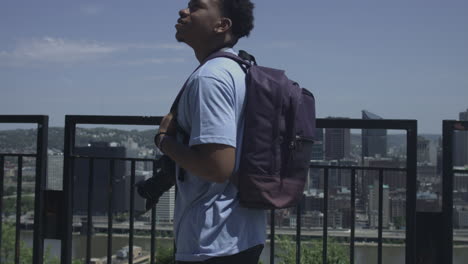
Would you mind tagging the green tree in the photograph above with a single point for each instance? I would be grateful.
(311, 252)
(8, 246)
(7, 251)
(27, 205)
(399, 222)
(165, 255)
(10, 190)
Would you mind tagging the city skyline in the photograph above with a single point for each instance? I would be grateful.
(400, 59)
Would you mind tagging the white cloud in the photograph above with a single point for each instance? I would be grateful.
(58, 50)
(64, 51)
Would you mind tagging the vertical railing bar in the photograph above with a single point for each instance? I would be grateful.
(2, 176)
(110, 209)
(68, 167)
(132, 212)
(447, 190)
(153, 235)
(153, 223)
(411, 189)
(40, 186)
(18, 209)
(353, 215)
(90, 209)
(325, 216)
(379, 248)
(272, 236)
(298, 233)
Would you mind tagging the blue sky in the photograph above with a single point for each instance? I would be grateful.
(400, 59)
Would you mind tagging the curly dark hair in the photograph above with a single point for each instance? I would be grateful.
(241, 14)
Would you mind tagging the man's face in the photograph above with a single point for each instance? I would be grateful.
(198, 21)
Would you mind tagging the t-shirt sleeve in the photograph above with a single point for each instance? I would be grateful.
(212, 110)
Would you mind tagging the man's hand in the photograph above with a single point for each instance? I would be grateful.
(212, 162)
(168, 125)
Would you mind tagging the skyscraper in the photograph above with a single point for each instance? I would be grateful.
(165, 207)
(423, 150)
(101, 174)
(461, 144)
(54, 171)
(464, 115)
(317, 148)
(373, 206)
(374, 141)
(337, 143)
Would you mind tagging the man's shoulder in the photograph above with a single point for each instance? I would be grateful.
(219, 68)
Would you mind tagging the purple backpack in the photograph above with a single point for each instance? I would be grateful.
(278, 137)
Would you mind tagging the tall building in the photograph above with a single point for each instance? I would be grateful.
(393, 179)
(373, 206)
(317, 148)
(165, 207)
(101, 172)
(460, 179)
(374, 141)
(461, 144)
(54, 171)
(338, 178)
(423, 150)
(398, 209)
(337, 143)
(464, 116)
(460, 217)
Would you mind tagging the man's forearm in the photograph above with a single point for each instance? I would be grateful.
(210, 163)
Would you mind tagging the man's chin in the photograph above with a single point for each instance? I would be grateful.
(178, 37)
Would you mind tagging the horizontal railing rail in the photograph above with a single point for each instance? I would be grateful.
(40, 172)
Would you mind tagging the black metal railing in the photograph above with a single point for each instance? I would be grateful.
(449, 128)
(70, 158)
(410, 126)
(65, 212)
(41, 163)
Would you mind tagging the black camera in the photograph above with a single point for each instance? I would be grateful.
(162, 180)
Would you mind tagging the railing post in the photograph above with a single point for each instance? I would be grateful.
(298, 231)
(153, 224)
(19, 182)
(272, 236)
(89, 220)
(353, 215)
(447, 191)
(380, 227)
(132, 211)
(325, 217)
(411, 161)
(110, 210)
(69, 141)
(2, 172)
(41, 173)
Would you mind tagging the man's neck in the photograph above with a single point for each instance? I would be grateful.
(203, 54)
(203, 51)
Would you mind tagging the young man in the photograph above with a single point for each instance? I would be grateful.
(210, 226)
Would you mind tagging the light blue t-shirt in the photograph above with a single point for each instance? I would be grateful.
(208, 220)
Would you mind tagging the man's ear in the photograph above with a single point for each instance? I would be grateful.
(223, 25)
